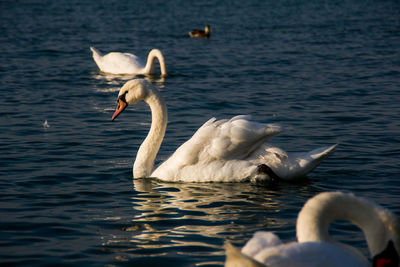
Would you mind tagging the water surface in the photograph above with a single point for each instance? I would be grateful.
(327, 71)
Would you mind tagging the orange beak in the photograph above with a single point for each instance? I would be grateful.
(120, 107)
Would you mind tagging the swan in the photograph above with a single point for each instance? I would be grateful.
(126, 63)
(315, 247)
(200, 33)
(234, 150)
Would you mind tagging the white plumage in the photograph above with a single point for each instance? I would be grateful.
(220, 151)
(315, 247)
(126, 63)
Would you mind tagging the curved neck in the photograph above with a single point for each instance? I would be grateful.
(150, 68)
(148, 150)
(319, 212)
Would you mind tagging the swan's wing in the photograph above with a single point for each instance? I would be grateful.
(217, 145)
(121, 63)
(224, 140)
(187, 153)
(237, 138)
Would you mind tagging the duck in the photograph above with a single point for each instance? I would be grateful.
(126, 63)
(226, 150)
(314, 246)
(200, 33)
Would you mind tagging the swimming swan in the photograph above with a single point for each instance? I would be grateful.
(232, 150)
(315, 247)
(125, 63)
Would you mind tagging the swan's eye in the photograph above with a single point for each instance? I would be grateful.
(122, 97)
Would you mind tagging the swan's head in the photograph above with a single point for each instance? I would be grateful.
(131, 93)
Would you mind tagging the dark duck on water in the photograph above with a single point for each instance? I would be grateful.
(200, 33)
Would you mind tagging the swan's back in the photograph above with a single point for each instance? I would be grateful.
(121, 63)
(118, 63)
(268, 249)
(307, 255)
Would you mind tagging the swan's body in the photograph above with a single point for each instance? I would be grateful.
(200, 33)
(126, 63)
(315, 247)
(234, 150)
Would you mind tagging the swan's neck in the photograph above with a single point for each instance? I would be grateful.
(147, 152)
(150, 67)
(318, 213)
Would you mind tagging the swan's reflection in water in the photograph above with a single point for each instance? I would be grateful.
(195, 219)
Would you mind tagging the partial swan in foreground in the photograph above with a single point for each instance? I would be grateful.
(125, 63)
(234, 150)
(200, 33)
(315, 247)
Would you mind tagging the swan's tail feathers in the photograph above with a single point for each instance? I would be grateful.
(322, 153)
(96, 53)
(299, 164)
(234, 258)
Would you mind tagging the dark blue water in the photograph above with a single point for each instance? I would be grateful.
(327, 71)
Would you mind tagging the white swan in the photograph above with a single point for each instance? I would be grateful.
(232, 150)
(315, 247)
(125, 63)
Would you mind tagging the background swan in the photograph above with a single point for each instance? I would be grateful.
(315, 247)
(126, 63)
(232, 150)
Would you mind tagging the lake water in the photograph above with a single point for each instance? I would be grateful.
(327, 71)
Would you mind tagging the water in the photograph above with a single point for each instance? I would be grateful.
(327, 71)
